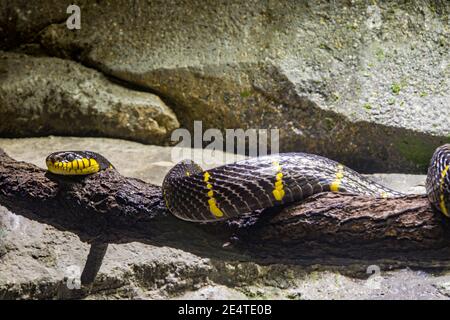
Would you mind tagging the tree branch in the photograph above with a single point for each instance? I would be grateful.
(109, 208)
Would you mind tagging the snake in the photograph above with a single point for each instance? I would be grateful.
(193, 194)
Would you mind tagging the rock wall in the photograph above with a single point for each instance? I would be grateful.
(46, 95)
(365, 84)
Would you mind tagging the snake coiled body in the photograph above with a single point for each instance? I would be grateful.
(192, 194)
(438, 180)
(257, 183)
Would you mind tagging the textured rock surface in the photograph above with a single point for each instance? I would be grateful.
(372, 79)
(21, 21)
(38, 261)
(363, 83)
(42, 95)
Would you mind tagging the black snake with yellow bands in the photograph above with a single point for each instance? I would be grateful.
(192, 194)
(76, 162)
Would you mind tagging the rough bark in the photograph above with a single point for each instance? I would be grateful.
(110, 208)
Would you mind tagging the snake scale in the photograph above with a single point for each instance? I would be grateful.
(192, 194)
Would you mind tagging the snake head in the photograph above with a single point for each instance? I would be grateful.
(76, 162)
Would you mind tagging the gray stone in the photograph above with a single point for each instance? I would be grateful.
(407, 183)
(41, 262)
(214, 292)
(362, 83)
(42, 95)
(21, 21)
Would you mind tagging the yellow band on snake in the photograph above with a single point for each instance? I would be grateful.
(76, 163)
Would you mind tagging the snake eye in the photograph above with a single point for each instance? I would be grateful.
(70, 157)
